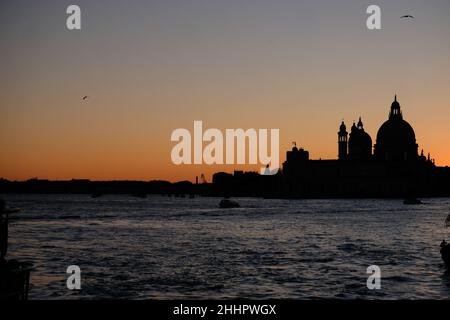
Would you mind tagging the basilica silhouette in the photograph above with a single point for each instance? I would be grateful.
(396, 139)
(393, 169)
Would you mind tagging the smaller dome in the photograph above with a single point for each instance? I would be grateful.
(360, 142)
(360, 139)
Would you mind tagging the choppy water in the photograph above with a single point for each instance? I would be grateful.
(167, 248)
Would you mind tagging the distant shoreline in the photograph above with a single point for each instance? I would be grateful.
(253, 185)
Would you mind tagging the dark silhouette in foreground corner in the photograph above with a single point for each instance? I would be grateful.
(14, 275)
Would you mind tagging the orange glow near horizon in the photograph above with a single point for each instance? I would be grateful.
(105, 153)
(296, 67)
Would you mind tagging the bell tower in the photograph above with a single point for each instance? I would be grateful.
(342, 142)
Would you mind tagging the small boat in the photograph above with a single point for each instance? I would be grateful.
(227, 203)
(412, 201)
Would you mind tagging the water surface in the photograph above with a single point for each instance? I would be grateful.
(180, 248)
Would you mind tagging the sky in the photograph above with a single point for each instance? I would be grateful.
(150, 67)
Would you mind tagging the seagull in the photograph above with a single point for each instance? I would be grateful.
(85, 97)
(407, 16)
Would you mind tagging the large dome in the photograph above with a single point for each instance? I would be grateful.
(396, 132)
(396, 139)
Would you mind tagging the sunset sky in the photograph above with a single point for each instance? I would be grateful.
(150, 67)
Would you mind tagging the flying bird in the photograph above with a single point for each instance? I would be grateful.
(85, 97)
(407, 16)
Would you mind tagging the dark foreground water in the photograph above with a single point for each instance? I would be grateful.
(167, 248)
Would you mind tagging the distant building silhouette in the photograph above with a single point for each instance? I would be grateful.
(396, 139)
(394, 169)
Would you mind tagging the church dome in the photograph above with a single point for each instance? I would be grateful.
(363, 139)
(396, 139)
(359, 143)
(396, 133)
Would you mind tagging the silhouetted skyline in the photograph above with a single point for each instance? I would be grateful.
(392, 167)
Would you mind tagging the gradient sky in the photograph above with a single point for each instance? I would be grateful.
(150, 67)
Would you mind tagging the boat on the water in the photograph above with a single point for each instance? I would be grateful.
(227, 203)
(412, 201)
